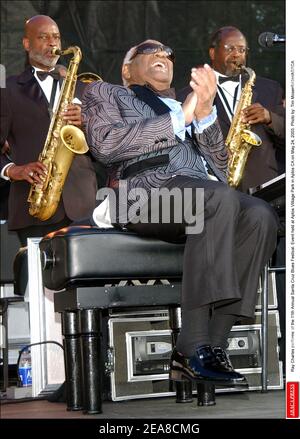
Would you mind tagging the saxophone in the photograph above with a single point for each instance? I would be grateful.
(240, 139)
(62, 142)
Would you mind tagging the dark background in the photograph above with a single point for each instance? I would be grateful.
(105, 30)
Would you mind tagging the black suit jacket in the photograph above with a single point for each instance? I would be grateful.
(267, 161)
(24, 124)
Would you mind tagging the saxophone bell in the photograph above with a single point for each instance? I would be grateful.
(89, 77)
(73, 139)
(251, 138)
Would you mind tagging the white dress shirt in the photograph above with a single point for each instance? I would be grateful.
(46, 85)
(230, 96)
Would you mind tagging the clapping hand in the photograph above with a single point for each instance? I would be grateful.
(203, 83)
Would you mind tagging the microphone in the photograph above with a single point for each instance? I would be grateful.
(268, 39)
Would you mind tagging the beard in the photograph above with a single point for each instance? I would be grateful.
(42, 60)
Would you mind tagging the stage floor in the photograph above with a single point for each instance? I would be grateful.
(244, 405)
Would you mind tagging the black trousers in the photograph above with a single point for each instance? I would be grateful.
(223, 262)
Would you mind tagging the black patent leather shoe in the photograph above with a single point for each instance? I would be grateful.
(226, 365)
(200, 367)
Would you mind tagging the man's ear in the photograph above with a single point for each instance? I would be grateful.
(126, 72)
(26, 44)
(212, 53)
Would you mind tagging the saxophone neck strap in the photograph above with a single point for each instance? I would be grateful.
(52, 97)
(226, 103)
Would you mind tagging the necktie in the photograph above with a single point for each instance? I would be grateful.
(229, 78)
(43, 75)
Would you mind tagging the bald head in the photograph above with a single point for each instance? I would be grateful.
(41, 35)
(36, 22)
(220, 34)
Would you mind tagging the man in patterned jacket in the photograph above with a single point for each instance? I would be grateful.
(149, 142)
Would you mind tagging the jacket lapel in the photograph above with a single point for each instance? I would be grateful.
(32, 89)
(222, 116)
(149, 97)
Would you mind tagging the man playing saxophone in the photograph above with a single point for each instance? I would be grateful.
(228, 52)
(27, 105)
(228, 49)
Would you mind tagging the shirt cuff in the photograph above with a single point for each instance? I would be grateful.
(201, 125)
(178, 122)
(3, 171)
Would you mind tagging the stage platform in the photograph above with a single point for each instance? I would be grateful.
(246, 405)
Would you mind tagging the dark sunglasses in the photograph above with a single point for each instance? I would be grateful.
(150, 48)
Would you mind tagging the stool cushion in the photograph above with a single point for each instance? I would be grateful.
(84, 255)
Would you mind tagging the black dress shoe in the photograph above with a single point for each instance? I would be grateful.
(202, 366)
(226, 365)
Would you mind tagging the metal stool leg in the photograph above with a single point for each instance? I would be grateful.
(264, 327)
(206, 394)
(72, 356)
(90, 324)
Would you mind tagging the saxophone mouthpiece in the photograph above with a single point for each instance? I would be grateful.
(55, 51)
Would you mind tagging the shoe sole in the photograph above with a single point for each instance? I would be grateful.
(180, 376)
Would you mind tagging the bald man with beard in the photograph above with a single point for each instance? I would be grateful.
(25, 119)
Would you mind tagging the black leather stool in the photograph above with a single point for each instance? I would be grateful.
(85, 264)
